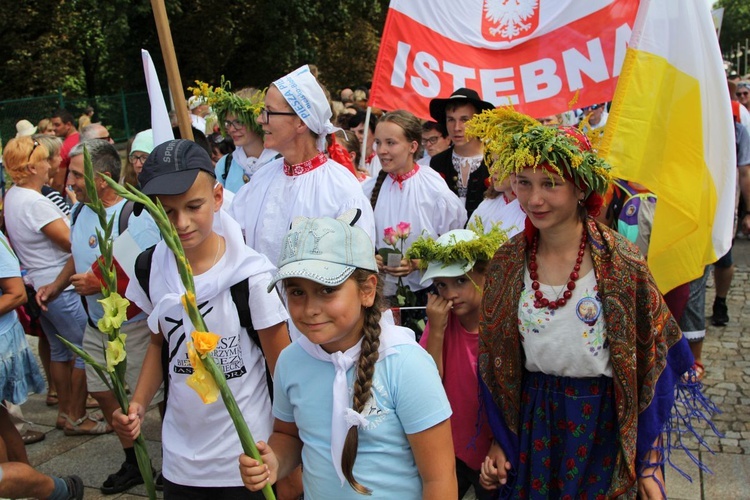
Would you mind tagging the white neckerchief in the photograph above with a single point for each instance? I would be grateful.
(342, 415)
(251, 164)
(241, 262)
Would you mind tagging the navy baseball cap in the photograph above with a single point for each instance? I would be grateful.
(173, 166)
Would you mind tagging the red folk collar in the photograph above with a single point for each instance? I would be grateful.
(305, 166)
(400, 178)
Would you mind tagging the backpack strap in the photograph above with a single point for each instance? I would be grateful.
(143, 275)
(241, 297)
(227, 166)
(76, 212)
(122, 222)
(143, 269)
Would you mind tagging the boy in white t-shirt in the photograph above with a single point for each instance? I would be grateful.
(200, 444)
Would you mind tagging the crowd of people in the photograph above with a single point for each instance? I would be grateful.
(434, 306)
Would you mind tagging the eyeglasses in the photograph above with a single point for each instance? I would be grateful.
(36, 145)
(138, 158)
(105, 138)
(430, 140)
(742, 94)
(236, 124)
(265, 114)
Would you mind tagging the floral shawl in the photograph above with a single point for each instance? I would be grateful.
(647, 350)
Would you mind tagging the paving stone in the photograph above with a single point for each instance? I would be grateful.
(730, 479)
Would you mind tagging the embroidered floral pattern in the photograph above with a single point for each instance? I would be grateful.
(530, 319)
(593, 332)
(305, 166)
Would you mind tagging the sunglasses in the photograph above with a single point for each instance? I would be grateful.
(743, 94)
(36, 145)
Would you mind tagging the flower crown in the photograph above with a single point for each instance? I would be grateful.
(222, 100)
(483, 247)
(514, 141)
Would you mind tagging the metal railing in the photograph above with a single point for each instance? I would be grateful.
(124, 114)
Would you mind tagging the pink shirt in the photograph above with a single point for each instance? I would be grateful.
(471, 433)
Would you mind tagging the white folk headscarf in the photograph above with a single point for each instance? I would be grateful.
(306, 97)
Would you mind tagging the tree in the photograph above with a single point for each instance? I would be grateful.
(36, 59)
(88, 47)
(735, 31)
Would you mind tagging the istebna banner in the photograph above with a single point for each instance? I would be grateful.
(542, 56)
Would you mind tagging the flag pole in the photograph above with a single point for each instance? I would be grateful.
(173, 71)
(366, 131)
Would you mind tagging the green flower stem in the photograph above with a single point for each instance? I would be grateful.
(246, 438)
(109, 276)
(173, 242)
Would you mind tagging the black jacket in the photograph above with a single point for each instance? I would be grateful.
(443, 164)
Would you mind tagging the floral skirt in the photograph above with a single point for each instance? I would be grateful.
(568, 438)
(19, 372)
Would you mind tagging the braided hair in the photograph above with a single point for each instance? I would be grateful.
(363, 377)
(376, 189)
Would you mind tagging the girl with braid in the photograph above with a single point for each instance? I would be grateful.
(356, 400)
(405, 192)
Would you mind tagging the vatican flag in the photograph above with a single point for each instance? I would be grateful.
(670, 128)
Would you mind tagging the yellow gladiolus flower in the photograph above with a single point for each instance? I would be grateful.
(115, 352)
(205, 342)
(201, 381)
(115, 312)
(188, 298)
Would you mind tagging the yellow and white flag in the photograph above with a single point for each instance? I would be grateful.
(670, 128)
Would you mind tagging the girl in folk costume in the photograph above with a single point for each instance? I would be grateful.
(405, 192)
(355, 399)
(582, 367)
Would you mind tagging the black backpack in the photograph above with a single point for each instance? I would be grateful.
(240, 296)
(122, 221)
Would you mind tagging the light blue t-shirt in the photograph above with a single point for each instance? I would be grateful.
(9, 268)
(234, 180)
(85, 245)
(409, 398)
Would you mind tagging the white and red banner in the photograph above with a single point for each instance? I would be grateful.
(534, 54)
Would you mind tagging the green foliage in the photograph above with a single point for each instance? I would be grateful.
(514, 141)
(93, 48)
(483, 247)
(735, 30)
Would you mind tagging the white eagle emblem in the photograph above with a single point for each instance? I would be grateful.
(510, 18)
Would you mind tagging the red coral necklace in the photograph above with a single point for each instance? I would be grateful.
(539, 300)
